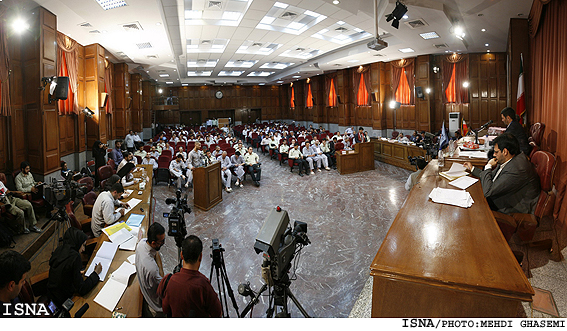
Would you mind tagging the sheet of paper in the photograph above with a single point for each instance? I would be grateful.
(123, 273)
(104, 256)
(107, 250)
(110, 294)
(133, 203)
(121, 236)
(132, 259)
(110, 230)
(451, 197)
(130, 244)
(473, 154)
(464, 182)
(126, 193)
(456, 170)
(135, 220)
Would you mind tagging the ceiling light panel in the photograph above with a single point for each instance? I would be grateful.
(289, 19)
(341, 33)
(276, 65)
(260, 74)
(202, 63)
(406, 50)
(215, 12)
(199, 73)
(429, 35)
(300, 52)
(257, 48)
(230, 73)
(164, 75)
(240, 64)
(206, 45)
(111, 4)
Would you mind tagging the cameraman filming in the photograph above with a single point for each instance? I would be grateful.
(412, 179)
(189, 293)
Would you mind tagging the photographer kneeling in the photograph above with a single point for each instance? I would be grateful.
(189, 293)
(412, 179)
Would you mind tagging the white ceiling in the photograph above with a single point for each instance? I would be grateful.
(247, 31)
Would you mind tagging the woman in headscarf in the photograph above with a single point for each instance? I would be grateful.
(111, 181)
(65, 278)
(99, 152)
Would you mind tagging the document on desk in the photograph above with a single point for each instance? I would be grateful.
(131, 204)
(104, 256)
(464, 182)
(135, 220)
(113, 290)
(457, 170)
(130, 244)
(451, 197)
(473, 154)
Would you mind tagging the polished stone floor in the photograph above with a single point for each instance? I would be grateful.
(347, 216)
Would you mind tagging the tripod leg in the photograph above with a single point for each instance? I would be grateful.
(253, 301)
(223, 305)
(230, 293)
(294, 299)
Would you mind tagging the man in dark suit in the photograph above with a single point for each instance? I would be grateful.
(514, 127)
(509, 181)
(360, 137)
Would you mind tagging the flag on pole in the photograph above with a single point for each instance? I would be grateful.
(443, 138)
(521, 99)
(464, 128)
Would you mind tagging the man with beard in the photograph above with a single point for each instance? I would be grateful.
(147, 270)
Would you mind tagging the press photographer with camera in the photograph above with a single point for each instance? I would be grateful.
(188, 293)
(103, 209)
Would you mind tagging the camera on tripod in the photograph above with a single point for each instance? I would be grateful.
(59, 192)
(176, 217)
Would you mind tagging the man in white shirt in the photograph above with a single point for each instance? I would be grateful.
(103, 209)
(150, 160)
(238, 165)
(177, 170)
(298, 159)
(320, 156)
(412, 179)
(251, 159)
(22, 209)
(148, 271)
(226, 175)
(284, 149)
(310, 156)
(128, 157)
(129, 141)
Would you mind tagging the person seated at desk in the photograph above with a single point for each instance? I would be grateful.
(402, 138)
(14, 268)
(188, 293)
(103, 209)
(128, 158)
(140, 152)
(412, 179)
(509, 181)
(360, 137)
(127, 179)
(116, 153)
(514, 127)
(147, 270)
(65, 265)
(150, 160)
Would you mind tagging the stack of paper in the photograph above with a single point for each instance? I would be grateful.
(464, 182)
(135, 220)
(118, 233)
(112, 291)
(473, 154)
(457, 170)
(104, 256)
(451, 197)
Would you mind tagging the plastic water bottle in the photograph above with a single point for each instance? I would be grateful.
(440, 159)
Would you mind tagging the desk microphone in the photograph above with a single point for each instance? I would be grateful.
(485, 125)
(82, 310)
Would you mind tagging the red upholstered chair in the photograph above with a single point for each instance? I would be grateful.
(36, 202)
(180, 144)
(88, 181)
(339, 146)
(104, 173)
(3, 210)
(162, 172)
(395, 134)
(290, 163)
(536, 133)
(230, 151)
(84, 225)
(166, 152)
(147, 148)
(111, 163)
(138, 159)
(526, 224)
(88, 202)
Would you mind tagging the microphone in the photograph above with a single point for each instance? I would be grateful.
(82, 311)
(485, 125)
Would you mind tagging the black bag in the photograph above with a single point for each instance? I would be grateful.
(6, 237)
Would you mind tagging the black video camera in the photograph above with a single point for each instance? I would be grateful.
(176, 217)
(217, 250)
(59, 192)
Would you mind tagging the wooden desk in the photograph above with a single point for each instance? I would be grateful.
(396, 153)
(357, 160)
(131, 301)
(445, 261)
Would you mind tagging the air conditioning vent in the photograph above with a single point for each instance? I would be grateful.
(94, 31)
(288, 15)
(441, 46)
(215, 4)
(341, 29)
(144, 45)
(257, 45)
(134, 26)
(416, 24)
(85, 25)
(299, 49)
(205, 42)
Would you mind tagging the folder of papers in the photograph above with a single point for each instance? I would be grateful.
(104, 256)
(464, 182)
(451, 197)
(457, 170)
(135, 220)
(113, 290)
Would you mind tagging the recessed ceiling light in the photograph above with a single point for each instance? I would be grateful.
(466, 84)
(295, 25)
(231, 15)
(295, 76)
(184, 84)
(267, 20)
(336, 2)
(169, 82)
(164, 75)
(486, 45)
(280, 5)
(406, 50)
(104, 31)
(429, 35)
(280, 81)
(111, 4)
(106, 57)
(158, 23)
(483, 30)
(311, 13)
(262, 84)
(340, 22)
(193, 14)
(352, 61)
(487, 51)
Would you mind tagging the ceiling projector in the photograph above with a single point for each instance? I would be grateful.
(377, 44)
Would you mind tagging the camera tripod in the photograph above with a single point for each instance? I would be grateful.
(222, 280)
(63, 223)
(280, 292)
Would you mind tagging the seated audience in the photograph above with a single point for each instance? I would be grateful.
(319, 156)
(140, 152)
(150, 160)
(177, 169)
(22, 210)
(251, 159)
(25, 182)
(188, 293)
(310, 156)
(65, 265)
(226, 175)
(103, 209)
(237, 161)
(299, 160)
(128, 158)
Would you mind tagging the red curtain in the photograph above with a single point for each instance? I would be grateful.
(546, 78)
(403, 93)
(455, 73)
(5, 105)
(450, 93)
(332, 92)
(309, 101)
(362, 95)
(68, 62)
(362, 85)
(108, 87)
(403, 80)
(292, 101)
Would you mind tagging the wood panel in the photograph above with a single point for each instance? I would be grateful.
(148, 91)
(94, 85)
(81, 136)
(136, 97)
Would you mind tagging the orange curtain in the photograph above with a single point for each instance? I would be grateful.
(450, 90)
(362, 95)
(309, 102)
(108, 87)
(65, 106)
(403, 93)
(68, 62)
(332, 102)
(5, 108)
(546, 80)
(292, 101)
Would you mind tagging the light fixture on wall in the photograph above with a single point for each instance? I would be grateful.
(428, 90)
(466, 84)
(88, 113)
(435, 69)
(160, 91)
(394, 104)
